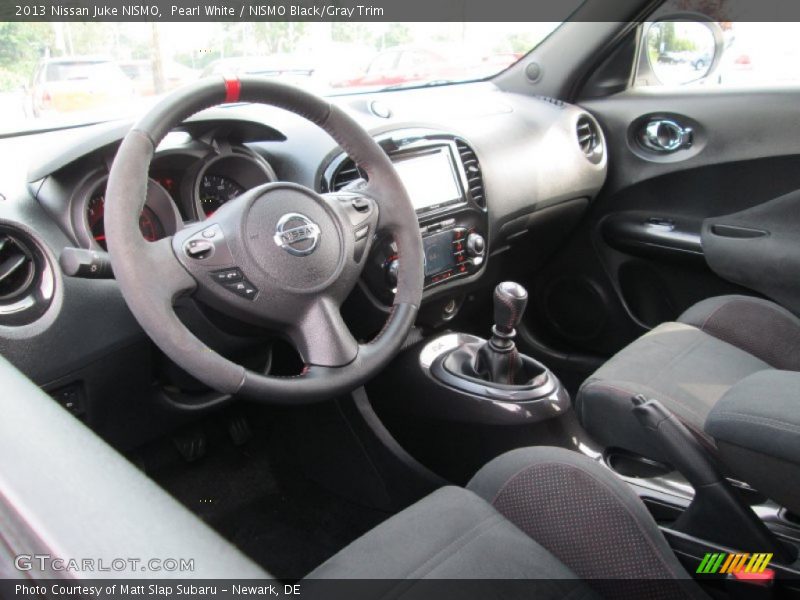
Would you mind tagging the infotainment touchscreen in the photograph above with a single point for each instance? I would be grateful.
(430, 177)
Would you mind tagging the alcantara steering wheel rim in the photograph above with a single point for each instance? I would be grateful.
(299, 252)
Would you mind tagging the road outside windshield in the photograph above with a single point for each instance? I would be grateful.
(54, 74)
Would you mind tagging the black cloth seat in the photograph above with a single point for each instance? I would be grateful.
(548, 515)
(688, 366)
(729, 369)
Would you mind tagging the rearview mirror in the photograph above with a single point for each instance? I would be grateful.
(680, 49)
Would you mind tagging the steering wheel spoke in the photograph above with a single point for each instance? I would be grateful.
(169, 277)
(321, 336)
(360, 214)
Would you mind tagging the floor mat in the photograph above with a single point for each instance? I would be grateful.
(259, 501)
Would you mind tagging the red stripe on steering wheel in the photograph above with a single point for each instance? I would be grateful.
(233, 89)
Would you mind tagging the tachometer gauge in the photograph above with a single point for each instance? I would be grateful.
(149, 223)
(215, 191)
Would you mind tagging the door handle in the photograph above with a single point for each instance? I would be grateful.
(665, 135)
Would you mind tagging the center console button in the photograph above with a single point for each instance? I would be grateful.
(476, 245)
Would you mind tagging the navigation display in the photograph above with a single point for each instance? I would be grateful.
(430, 178)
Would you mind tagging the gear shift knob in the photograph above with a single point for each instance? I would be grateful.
(510, 300)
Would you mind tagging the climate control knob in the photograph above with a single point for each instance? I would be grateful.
(476, 245)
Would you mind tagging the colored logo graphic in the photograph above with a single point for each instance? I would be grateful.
(724, 563)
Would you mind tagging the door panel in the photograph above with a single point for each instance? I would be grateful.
(638, 258)
(760, 248)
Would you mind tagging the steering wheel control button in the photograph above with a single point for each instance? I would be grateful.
(228, 276)
(297, 234)
(362, 233)
(361, 204)
(243, 288)
(207, 245)
(199, 249)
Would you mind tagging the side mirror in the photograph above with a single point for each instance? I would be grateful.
(679, 49)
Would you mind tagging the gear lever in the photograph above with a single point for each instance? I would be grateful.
(510, 300)
(498, 360)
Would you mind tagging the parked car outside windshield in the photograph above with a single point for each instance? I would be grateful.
(64, 85)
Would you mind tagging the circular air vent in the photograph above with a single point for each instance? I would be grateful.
(17, 268)
(26, 280)
(589, 138)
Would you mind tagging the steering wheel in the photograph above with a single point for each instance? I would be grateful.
(280, 255)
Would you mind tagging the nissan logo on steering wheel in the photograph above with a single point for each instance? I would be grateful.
(297, 234)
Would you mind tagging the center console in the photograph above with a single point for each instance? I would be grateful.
(456, 400)
(493, 381)
(442, 175)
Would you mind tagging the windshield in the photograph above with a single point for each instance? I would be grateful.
(56, 74)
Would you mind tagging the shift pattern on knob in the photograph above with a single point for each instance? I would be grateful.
(510, 300)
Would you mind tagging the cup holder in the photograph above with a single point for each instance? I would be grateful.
(632, 465)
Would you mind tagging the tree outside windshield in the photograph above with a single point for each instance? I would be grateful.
(54, 74)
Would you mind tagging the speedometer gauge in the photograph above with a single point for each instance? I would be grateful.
(215, 191)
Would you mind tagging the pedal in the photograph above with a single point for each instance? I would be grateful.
(192, 445)
(239, 430)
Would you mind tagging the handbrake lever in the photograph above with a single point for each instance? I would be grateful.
(717, 512)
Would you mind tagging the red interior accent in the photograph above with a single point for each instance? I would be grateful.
(233, 89)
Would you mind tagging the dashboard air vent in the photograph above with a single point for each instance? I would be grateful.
(17, 268)
(589, 138)
(27, 282)
(346, 173)
(473, 171)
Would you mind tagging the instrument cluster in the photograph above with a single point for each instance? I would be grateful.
(184, 186)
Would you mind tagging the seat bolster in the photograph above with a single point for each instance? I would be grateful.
(542, 489)
(605, 408)
(761, 412)
(684, 368)
(757, 428)
(758, 326)
(450, 534)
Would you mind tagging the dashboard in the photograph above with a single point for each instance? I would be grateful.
(483, 169)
